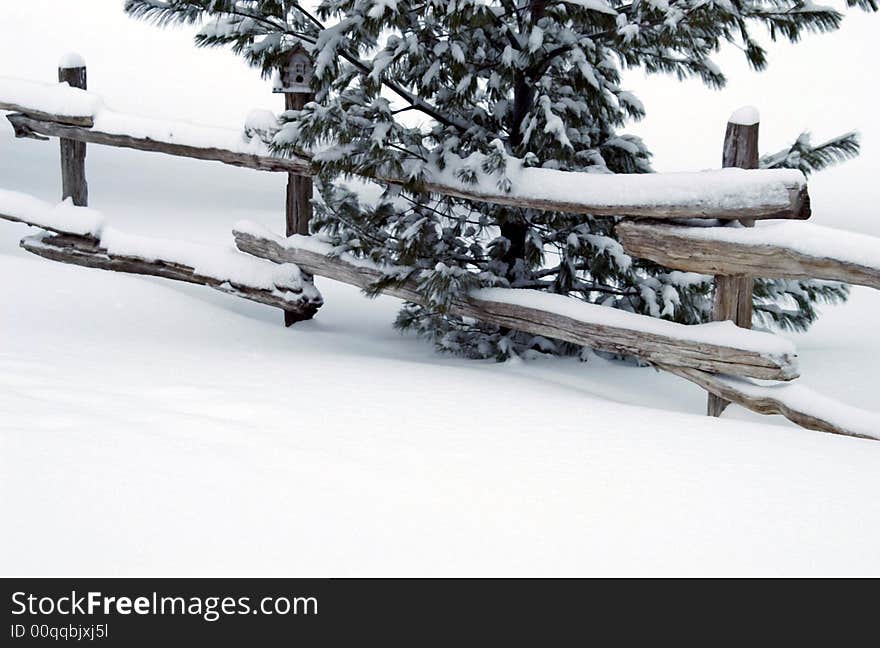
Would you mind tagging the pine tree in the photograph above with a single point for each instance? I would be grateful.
(789, 303)
(403, 87)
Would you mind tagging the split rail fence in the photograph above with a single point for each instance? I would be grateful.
(699, 222)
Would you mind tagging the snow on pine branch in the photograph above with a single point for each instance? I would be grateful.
(808, 158)
(594, 5)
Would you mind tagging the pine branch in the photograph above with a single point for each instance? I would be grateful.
(805, 157)
(191, 11)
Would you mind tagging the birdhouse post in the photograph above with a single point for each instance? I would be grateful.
(294, 81)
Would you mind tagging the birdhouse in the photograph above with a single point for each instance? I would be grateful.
(296, 75)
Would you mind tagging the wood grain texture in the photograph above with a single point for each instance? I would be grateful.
(299, 187)
(767, 403)
(16, 219)
(732, 299)
(741, 151)
(741, 146)
(87, 252)
(73, 152)
(681, 248)
(72, 120)
(26, 123)
(796, 207)
(651, 347)
(298, 206)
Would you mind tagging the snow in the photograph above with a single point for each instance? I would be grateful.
(745, 116)
(261, 120)
(220, 262)
(806, 238)
(719, 189)
(154, 428)
(379, 7)
(52, 98)
(71, 60)
(813, 403)
(309, 243)
(719, 333)
(64, 216)
(60, 99)
(225, 263)
(178, 132)
(596, 5)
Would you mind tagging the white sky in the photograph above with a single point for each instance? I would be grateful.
(827, 84)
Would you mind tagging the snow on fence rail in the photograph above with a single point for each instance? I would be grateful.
(797, 403)
(699, 353)
(81, 237)
(788, 250)
(703, 354)
(718, 356)
(57, 102)
(718, 347)
(172, 138)
(720, 194)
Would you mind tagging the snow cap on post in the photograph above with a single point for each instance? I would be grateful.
(71, 60)
(745, 116)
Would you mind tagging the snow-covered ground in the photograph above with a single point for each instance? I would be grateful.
(156, 428)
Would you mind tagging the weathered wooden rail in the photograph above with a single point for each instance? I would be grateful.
(764, 195)
(804, 252)
(86, 242)
(58, 103)
(286, 295)
(720, 357)
(803, 406)
(747, 353)
(27, 125)
(709, 366)
(725, 194)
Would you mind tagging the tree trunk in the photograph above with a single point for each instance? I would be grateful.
(515, 229)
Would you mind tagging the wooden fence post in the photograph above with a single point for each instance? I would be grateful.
(72, 69)
(299, 187)
(295, 77)
(733, 293)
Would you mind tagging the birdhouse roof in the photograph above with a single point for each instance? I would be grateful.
(297, 49)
